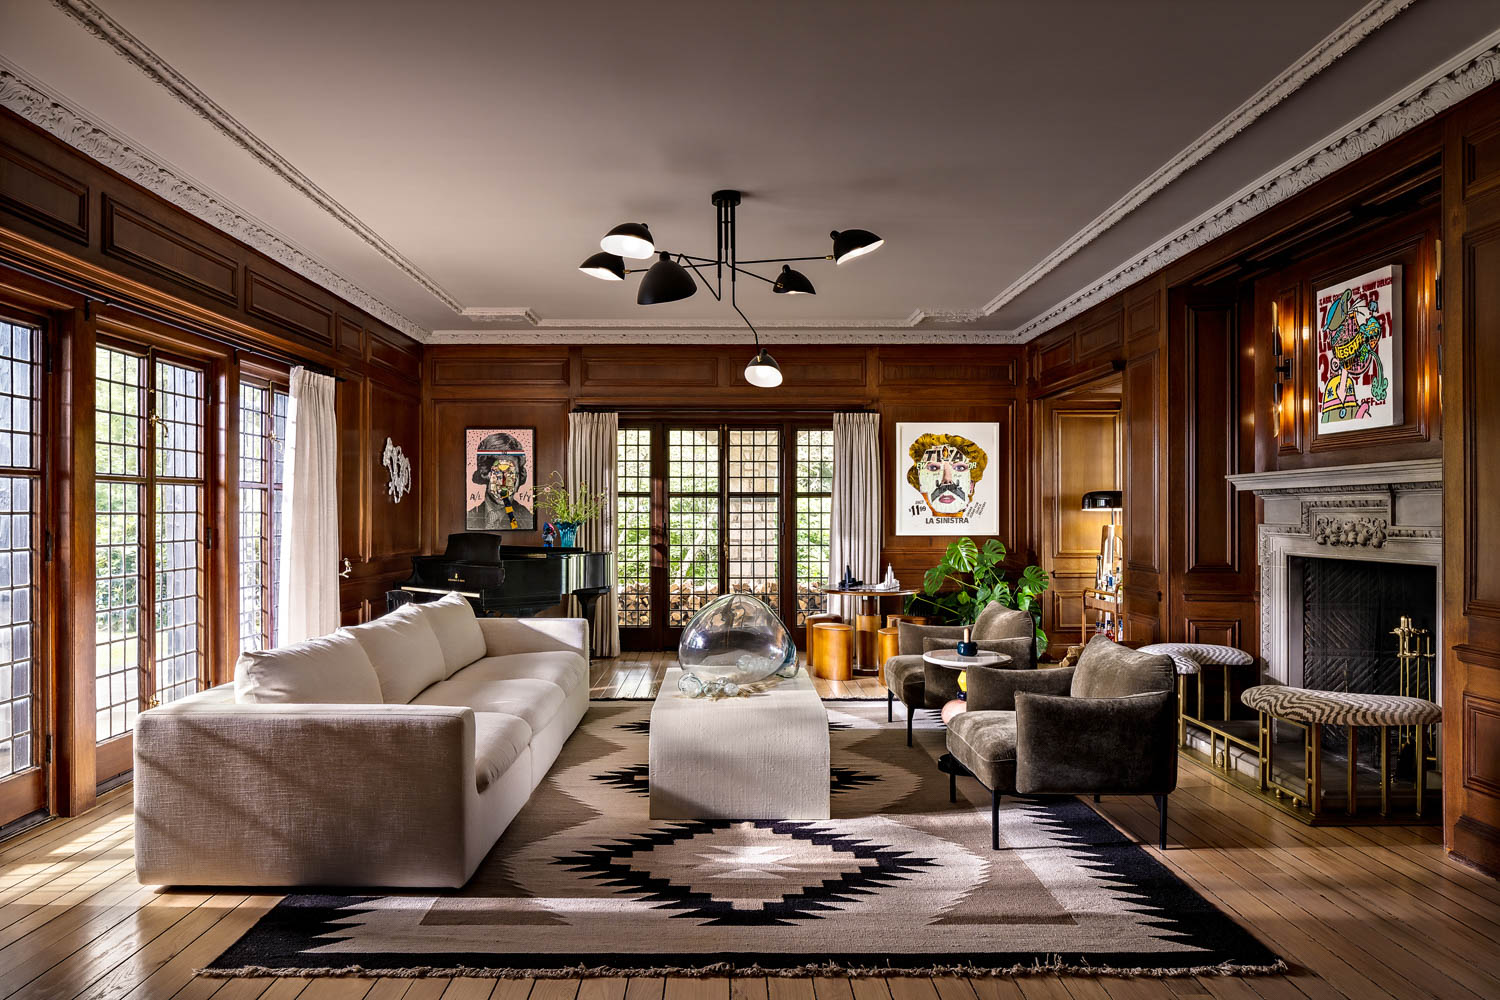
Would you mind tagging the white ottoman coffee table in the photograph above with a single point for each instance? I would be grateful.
(758, 756)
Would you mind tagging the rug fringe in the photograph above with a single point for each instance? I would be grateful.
(1051, 967)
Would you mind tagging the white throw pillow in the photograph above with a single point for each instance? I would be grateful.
(331, 669)
(452, 618)
(405, 652)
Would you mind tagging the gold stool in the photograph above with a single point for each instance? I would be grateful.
(885, 648)
(891, 620)
(820, 618)
(833, 651)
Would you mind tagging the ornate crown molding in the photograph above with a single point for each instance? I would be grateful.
(1343, 38)
(138, 54)
(1469, 73)
(702, 333)
(55, 116)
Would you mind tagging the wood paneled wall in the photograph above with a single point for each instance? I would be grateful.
(537, 387)
(84, 251)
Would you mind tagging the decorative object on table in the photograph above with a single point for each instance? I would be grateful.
(498, 465)
(968, 577)
(1109, 563)
(848, 581)
(1359, 352)
(669, 281)
(570, 508)
(889, 582)
(893, 882)
(967, 646)
(398, 466)
(734, 641)
(549, 534)
(941, 487)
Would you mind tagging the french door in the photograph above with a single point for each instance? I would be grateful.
(23, 724)
(712, 508)
(151, 530)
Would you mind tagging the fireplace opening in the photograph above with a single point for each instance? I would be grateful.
(1346, 616)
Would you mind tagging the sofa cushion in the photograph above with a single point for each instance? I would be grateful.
(498, 740)
(457, 630)
(530, 699)
(404, 651)
(566, 670)
(997, 621)
(1106, 669)
(331, 669)
(985, 743)
(909, 637)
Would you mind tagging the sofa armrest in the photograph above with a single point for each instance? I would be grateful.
(503, 636)
(995, 690)
(1115, 745)
(301, 794)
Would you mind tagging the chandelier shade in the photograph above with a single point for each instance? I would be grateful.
(604, 266)
(790, 282)
(763, 371)
(667, 281)
(852, 243)
(629, 239)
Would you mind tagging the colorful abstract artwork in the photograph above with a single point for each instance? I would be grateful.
(947, 479)
(1359, 352)
(498, 467)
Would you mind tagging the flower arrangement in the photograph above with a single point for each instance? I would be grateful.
(569, 507)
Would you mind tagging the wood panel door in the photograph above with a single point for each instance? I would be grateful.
(1471, 487)
(1080, 452)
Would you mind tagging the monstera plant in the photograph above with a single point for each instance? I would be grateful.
(970, 577)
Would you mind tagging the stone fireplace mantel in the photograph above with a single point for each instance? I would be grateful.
(1378, 512)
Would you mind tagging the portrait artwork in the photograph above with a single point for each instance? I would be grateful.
(946, 482)
(499, 468)
(1359, 352)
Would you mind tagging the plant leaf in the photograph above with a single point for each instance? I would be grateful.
(1034, 578)
(994, 550)
(963, 554)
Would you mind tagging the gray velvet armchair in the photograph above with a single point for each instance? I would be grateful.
(1106, 726)
(919, 684)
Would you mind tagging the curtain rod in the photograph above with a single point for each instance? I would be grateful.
(92, 295)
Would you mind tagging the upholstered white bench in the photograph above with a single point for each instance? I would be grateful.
(1194, 659)
(1312, 710)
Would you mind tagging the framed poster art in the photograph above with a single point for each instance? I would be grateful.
(499, 471)
(1359, 352)
(947, 478)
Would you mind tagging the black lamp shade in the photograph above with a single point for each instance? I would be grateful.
(790, 282)
(1104, 500)
(763, 371)
(629, 239)
(667, 281)
(853, 243)
(605, 266)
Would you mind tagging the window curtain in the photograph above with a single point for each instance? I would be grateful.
(307, 602)
(856, 515)
(591, 463)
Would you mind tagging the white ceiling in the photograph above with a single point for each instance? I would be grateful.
(455, 161)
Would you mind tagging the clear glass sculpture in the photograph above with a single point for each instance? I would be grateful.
(735, 640)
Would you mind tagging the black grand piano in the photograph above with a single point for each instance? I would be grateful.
(505, 581)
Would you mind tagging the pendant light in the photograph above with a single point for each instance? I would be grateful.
(667, 281)
(852, 243)
(763, 371)
(629, 239)
(790, 282)
(604, 266)
(670, 280)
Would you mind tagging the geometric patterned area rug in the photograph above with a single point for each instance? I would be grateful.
(900, 881)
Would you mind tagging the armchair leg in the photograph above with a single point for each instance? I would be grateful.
(952, 786)
(890, 706)
(994, 820)
(1096, 798)
(910, 714)
(1161, 833)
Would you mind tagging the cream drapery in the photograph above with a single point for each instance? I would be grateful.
(591, 461)
(855, 529)
(307, 599)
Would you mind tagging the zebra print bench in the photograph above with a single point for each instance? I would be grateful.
(1312, 710)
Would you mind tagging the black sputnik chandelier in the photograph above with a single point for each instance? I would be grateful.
(676, 276)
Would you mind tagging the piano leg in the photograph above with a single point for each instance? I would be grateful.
(588, 599)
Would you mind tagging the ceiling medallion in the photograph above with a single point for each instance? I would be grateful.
(672, 277)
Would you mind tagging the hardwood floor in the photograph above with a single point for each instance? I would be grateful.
(1360, 913)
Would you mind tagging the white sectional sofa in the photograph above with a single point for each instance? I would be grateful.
(393, 753)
